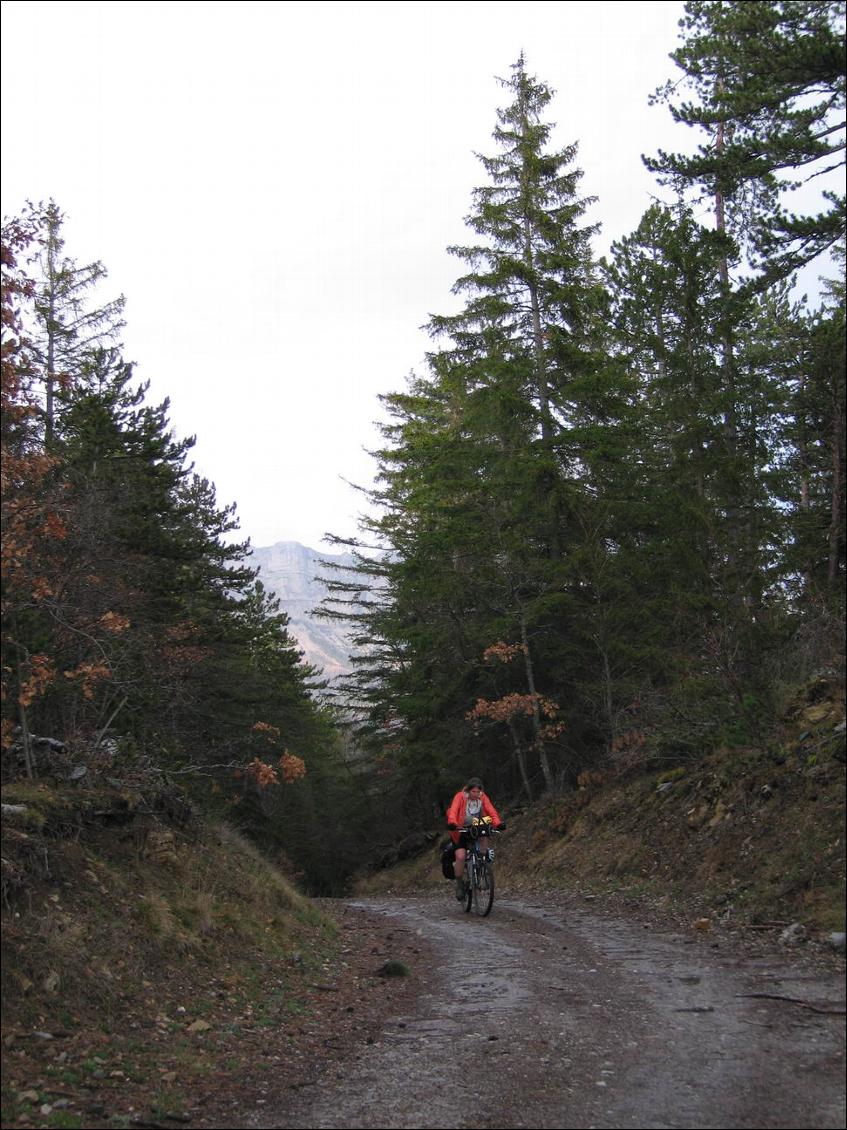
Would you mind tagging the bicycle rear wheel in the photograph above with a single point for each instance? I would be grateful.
(483, 888)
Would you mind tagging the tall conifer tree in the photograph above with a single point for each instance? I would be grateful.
(68, 327)
(482, 476)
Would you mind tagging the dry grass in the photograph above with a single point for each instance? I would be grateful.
(104, 944)
(90, 909)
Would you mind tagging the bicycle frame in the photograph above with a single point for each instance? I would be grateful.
(479, 877)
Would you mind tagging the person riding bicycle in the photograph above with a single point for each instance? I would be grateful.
(470, 803)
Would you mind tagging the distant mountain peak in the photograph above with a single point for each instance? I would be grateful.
(292, 571)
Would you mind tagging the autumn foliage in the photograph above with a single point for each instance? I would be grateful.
(514, 706)
(287, 768)
(502, 652)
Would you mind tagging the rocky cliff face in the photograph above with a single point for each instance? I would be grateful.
(292, 572)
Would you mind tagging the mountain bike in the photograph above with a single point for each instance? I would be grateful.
(479, 871)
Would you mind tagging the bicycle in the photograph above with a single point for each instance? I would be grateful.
(479, 870)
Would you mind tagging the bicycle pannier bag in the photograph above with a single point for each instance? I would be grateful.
(448, 854)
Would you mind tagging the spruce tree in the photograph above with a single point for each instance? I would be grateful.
(531, 292)
(810, 475)
(482, 474)
(67, 326)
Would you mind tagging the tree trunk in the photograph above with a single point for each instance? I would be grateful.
(539, 364)
(50, 375)
(543, 760)
(732, 489)
(607, 695)
(26, 740)
(837, 506)
(520, 757)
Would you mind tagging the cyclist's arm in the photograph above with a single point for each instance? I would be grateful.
(488, 809)
(455, 813)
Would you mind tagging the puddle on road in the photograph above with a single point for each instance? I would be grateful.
(487, 974)
(486, 986)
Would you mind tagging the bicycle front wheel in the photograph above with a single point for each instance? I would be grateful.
(483, 888)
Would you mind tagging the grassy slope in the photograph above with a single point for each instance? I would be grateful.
(142, 972)
(743, 836)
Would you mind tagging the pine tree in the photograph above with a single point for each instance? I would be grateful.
(768, 81)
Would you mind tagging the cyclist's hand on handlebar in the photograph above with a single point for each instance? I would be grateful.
(501, 827)
(451, 827)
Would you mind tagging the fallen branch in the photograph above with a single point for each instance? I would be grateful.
(763, 925)
(793, 1000)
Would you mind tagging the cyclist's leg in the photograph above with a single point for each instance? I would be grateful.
(469, 880)
(459, 868)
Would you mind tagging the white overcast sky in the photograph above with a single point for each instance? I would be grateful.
(273, 187)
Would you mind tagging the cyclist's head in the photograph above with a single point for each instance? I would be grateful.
(474, 783)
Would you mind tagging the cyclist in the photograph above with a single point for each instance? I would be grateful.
(470, 803)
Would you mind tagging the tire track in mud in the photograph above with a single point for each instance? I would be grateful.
(546, 1015)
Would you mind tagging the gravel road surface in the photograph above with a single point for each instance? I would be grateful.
(546, 1014)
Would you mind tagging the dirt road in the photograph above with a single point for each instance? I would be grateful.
(548, 1015)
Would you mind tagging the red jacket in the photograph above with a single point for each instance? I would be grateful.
(456, 812)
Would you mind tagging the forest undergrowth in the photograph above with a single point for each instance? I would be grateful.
(747, 837)
(155, 964)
